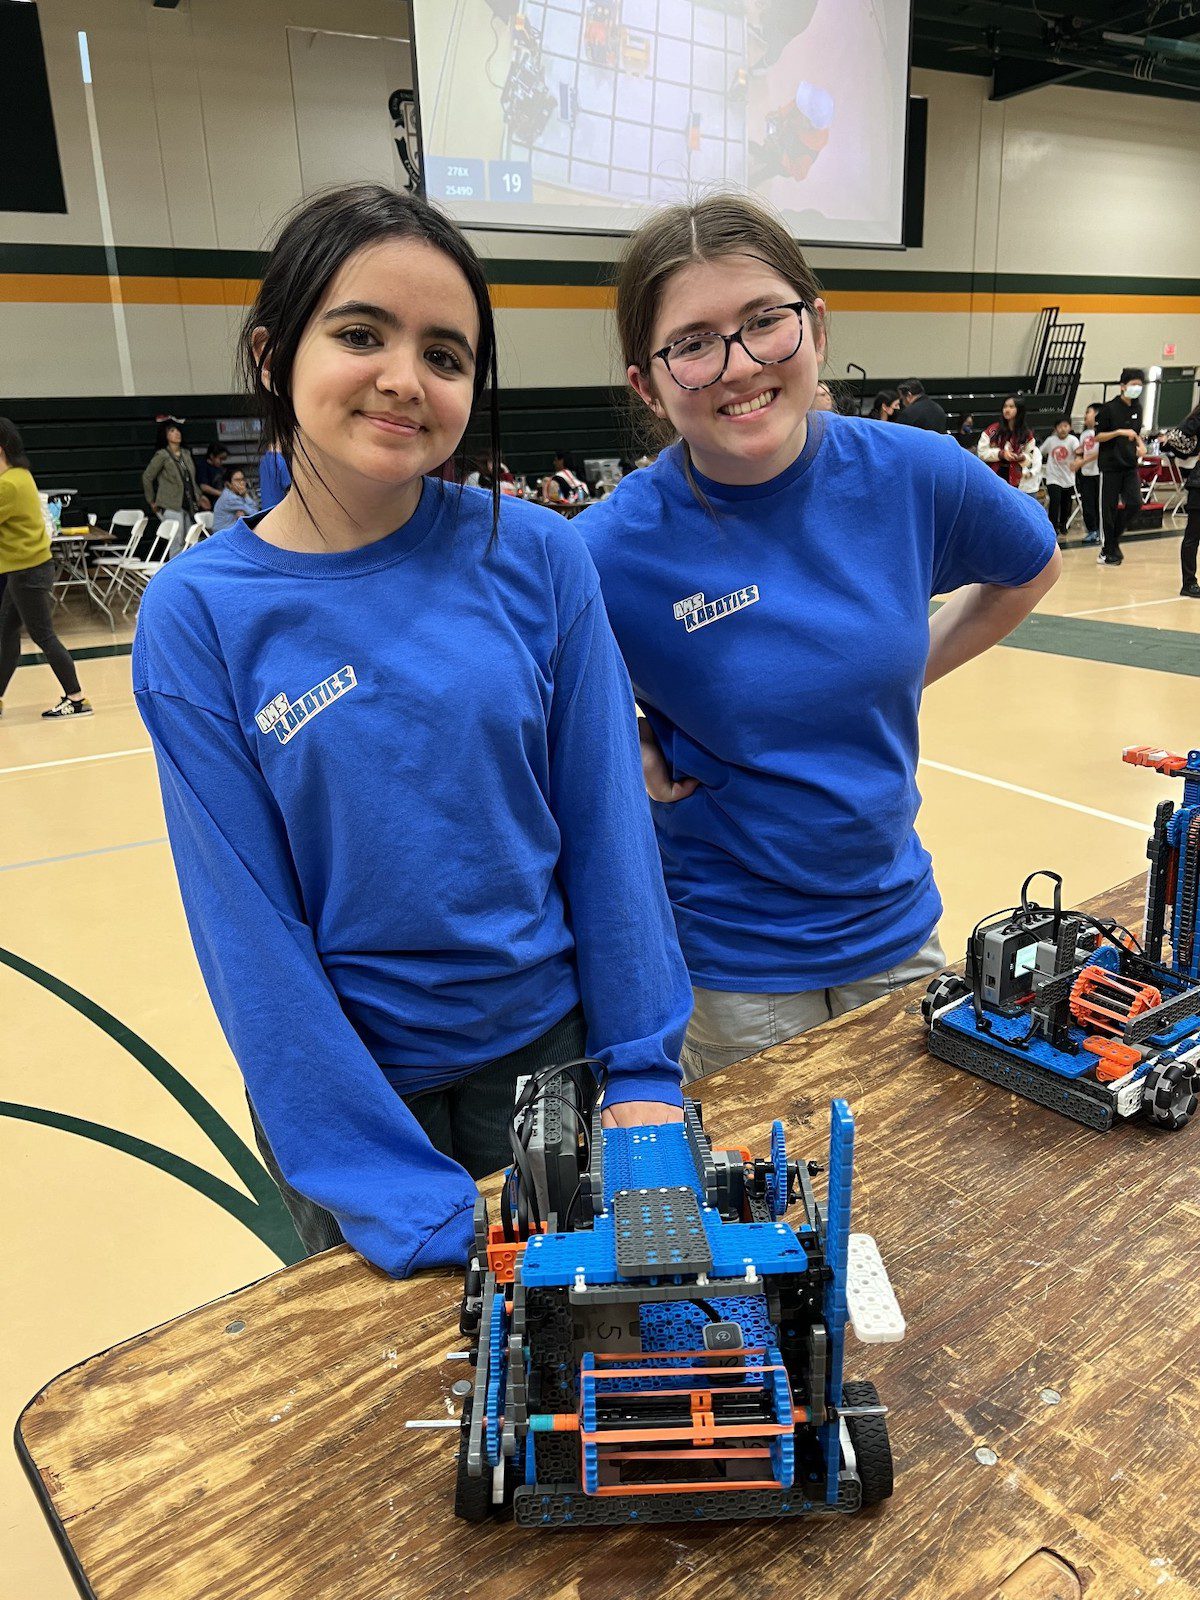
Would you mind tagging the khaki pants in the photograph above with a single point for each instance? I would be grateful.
(727, 1027)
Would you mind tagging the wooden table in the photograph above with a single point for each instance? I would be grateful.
(1045, 1418)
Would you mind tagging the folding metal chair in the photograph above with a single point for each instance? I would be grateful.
(109, 563)
(135, 572)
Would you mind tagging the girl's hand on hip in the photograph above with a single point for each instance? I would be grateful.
(640, 1114)
(656, 774)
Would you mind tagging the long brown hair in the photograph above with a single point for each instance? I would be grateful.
(719, 225)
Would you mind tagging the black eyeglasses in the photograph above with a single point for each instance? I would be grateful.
(768, 337)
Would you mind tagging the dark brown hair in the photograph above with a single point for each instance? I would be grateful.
(318, 237)
(719, 225)
(12, 445)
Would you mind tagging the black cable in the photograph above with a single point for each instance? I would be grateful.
(710, 1311)
(539, 1088)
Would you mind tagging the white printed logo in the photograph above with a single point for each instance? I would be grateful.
(284, 719)
(697, 612)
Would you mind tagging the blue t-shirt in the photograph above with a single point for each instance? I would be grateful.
(404, 798)
(777, 641)
(274, 480)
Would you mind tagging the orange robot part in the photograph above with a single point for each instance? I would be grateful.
(1104, 1001)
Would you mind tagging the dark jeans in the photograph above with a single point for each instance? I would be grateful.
(1089, 499)
(1190, 545)
(1061, 500)
(26, 603)
(467, 1121)
(1119, 486)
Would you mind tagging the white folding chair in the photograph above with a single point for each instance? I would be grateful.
(109, 563)
(136, 571)
(195, 533)
(205, 519)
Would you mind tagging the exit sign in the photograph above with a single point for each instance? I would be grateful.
(1168, 352)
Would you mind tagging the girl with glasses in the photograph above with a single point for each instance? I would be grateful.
(768, 580)
(397, 754)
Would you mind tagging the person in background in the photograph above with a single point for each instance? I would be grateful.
(483, 474)
(564, 483)
(234, 501)
(967, 433)
(169, 481)
(210, 475)
(1058, 452)
(1087, 468)
(884, 406)
(274, 479)
(1183, 443)
(1007, 446)
(918, 410)
(823, 398)
(1119, 435)
(27, 567)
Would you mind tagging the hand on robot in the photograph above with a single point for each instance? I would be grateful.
(640, 1114)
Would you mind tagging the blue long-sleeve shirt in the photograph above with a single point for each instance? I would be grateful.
(404, 797)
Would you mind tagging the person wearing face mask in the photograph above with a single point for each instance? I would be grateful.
(768, 580)
(1119, 436)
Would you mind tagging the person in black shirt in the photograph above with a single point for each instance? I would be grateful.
(210, 475)
(1118, 434)
(918, 410)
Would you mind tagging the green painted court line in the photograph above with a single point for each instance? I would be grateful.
(1121, 644)
(264, 1196)
(1118, 643)
(88, 652)
(273, 1233)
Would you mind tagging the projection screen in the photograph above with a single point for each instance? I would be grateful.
(579, 115)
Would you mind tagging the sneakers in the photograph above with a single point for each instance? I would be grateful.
(1191, 590)
(1091, 538)
(1108, 561)
(67, 707)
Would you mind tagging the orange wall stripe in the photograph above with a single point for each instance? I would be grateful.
(237, 293)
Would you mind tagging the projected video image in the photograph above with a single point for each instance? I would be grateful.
(581, 113)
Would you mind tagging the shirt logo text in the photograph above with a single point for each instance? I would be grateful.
(697, 612)
(284, 719)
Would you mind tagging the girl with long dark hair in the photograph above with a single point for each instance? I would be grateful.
(27, 571)
(1008, 445)
(398, 760)
(768, 580)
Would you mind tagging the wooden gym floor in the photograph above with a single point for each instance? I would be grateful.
(123, 1112)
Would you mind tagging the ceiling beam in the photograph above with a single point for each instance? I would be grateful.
(1011, 77)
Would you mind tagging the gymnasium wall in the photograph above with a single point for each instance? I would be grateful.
(213, 117)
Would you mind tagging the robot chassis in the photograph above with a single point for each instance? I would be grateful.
(1070, 1010)
(659, 1327)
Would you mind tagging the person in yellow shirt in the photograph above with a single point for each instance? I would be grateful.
(27, 569)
